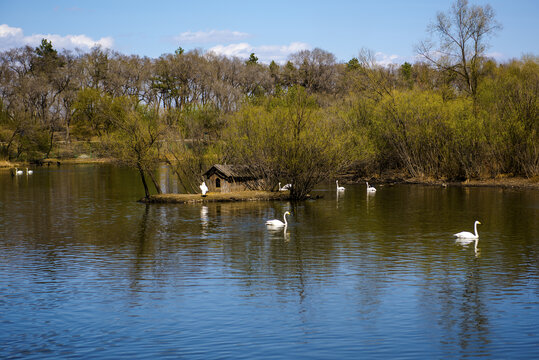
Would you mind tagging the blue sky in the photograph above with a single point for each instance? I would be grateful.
(271, 29)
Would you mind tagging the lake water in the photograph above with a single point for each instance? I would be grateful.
(88, 272)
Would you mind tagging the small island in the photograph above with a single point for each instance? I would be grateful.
(249, 195)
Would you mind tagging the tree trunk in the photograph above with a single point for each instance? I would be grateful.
(68, 139)
(51, 144)
(143, 178)
(155, 183)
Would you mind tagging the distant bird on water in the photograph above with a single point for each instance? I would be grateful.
(370, 189)
(278, 223)
(339, 188)
(468, 235)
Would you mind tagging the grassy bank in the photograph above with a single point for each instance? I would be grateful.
(500, 181)
(216, 197)
(4, 164)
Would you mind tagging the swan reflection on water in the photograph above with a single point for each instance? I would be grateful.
(464, 242)
(279, 231)
(204, 215)
(337, 198)
(368, 197)
(204, 219)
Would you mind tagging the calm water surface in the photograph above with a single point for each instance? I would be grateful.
(87, 272)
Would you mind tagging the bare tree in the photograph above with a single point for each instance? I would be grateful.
(316, 70)
(463, 32)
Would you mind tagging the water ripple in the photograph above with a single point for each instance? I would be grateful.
(93, 274)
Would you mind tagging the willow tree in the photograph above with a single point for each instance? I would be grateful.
(286, 138)
(192, 143)
(510, 102)
(134, 140)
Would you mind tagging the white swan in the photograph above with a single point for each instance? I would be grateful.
(278, 223)
(468, 235)
(29, 172)
(370, 188)
(285, 188)
(203, 188)
(339, 188)
(18, 172)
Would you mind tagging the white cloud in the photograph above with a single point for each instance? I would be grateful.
(385, 60)
(498, 56)
(265, 53)
(11, 37)
(7, 31)
(241, 50)
(212, 36)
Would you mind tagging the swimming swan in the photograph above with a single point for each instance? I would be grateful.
(29, 172)
(370, 188)
(278, 223)
(467, 234)
(18, 172)
(339, 188)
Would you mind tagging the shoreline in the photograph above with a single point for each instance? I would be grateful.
(390, 179)
(216, 197)
(505, 182)
(6, 165)
(502, 181)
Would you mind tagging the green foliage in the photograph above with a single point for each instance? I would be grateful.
(90, 115)
(362, 151)
(509, 99)
(286, 139)
(406, 71)
(418, 131)
(33, 143)
(47, 59)
(20, 137)
(193, 143)
(45, 49)
(201, 121)
(252, 60)
(179, 51)
(353, 64)
(135, 138)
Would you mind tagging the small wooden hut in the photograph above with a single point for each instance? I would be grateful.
(229, 178)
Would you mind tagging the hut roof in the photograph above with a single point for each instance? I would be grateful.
(232, 172)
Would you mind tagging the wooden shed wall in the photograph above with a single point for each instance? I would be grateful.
(225, 185)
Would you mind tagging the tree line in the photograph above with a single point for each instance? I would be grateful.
(453, 114)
